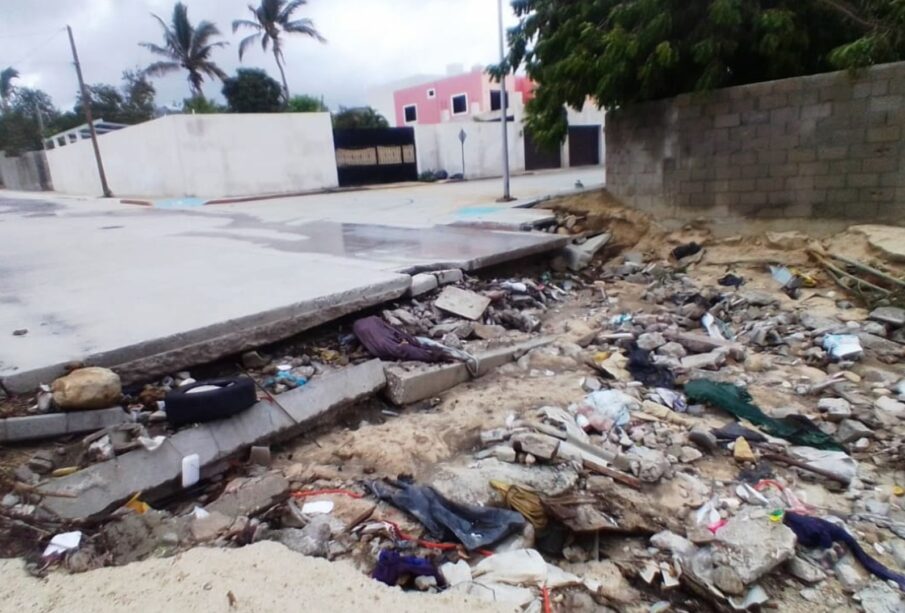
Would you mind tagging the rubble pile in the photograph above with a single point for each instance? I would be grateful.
(732, 434)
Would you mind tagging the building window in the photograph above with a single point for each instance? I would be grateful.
(432, 93)
(460, 104)
(496, 98)
(411, 113)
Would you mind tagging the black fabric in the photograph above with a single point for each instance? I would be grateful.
(474, 527)
(644, 370)
(387, 343)
(683, 251)
(731, 280)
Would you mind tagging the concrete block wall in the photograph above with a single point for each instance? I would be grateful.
(26, 172)
(823, 146)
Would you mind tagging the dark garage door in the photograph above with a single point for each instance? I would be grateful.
(584, 145)
(369, 156)
(540, 158)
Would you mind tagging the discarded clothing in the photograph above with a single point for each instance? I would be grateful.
(735, 400)
(391, 566)
(816, 532)
(683, 251)
(732, 431)
(644, 370)
(387, 343)
(731, 280)
(471, 362)
(474, 527)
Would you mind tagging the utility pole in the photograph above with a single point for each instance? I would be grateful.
(504, 103)
(86, 104)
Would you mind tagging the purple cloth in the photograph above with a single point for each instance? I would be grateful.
(391, 566)
(387, 343)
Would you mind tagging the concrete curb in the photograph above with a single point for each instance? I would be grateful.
(105, 486)
(33, 427)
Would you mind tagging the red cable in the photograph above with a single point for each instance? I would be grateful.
(348, 493)
(548, 606)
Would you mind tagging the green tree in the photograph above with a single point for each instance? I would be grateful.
(201, 106)
(252, 91)
(186, 47)
(306, 104)
(358, 118)
(272, 18)
(6, 85)
(139, 97)
(618, 52)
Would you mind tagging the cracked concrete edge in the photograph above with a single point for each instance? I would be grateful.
(142, 361)
(103, 487)
(35, 427)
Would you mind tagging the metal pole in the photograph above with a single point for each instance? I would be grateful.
(86, 104)
(504, 102)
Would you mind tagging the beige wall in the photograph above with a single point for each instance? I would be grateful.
(205, 156)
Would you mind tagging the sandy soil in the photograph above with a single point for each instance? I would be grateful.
(263, 577)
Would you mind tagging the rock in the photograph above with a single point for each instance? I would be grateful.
(253, 359)
(648, 464)
(862, 444)
(312, 540)
(539, 445)
(208, 528)
(247, 496)
(804, 571)
(880, 598)
(471, 484)
(87, 388)
(753, 548)
(709, 361)
(591, 384)
(851, 430)
(651, 340)
(486, 332)
(689, 455)
(425, 582)
(898, 552)
(836, 409)
(756, 298)
(873, 327)
(260, 455)
(672, 349)
(893, 316)
(134, 537)
(851, 578)
(727, 580)
(888, 405)
(788, 241)
(608, 580)
(10, 500)
(811, 595)
(673, 543)
(877, 507)
(453, 574)
(704, 439)
(742, 451)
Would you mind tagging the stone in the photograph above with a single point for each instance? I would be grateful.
(606, 580)
(312, 540)
(709, 361)
(260, 455)
(650, 341)
(752, 547)
(591, 384)
(804, 571)
(689, 454)
(10, 500)
(672, 349)
(423, 283)
(704, 438)
(539, 445)
(87, 388)
(211, 526)
(673, 543)
(728, 580)
(851, 578)
(253, 359)
(449, 276)
(789, 241)
(701, 343)
(873, 327)
(851, 430)
(425, 582)
(880, 598)
(247, 496)
(742, 451)
(42, 463)
(488, 332)
(471, 484)
(463, 303)
(457, 573)
(647, 464)
(893, 316)
(579, 256)
(898, 552)
(836, 409)
(891, 406)
(758, 298)
(134, 537)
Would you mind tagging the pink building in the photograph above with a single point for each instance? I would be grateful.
(459, 97)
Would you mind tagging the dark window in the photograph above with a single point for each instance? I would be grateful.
(496, 98)
(411, 113)
(431, 93)
(459, 104)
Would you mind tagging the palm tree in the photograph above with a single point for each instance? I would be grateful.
(272, 18)
(6, 85)
(186, 46)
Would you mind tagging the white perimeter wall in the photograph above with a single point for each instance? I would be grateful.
(205, 156)
(438, 148)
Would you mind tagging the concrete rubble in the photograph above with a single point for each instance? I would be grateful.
(563, 403)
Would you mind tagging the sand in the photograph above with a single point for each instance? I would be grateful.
(263, 577)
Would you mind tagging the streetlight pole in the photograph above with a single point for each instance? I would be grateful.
(504, 104)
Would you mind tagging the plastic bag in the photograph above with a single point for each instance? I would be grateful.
(843, 346)
(607, 408)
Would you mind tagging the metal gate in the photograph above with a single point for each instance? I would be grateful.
(371, 156)
(584, 145)
(538, 157)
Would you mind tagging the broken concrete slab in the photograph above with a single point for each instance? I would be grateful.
(248, 496)
(463, 303)
(471, 484)
(104, 486)
(888, 240)
(33, 427)
(701, 343)
(889, 315)
(422, 284)
(711, 361)
(579, 256)
(448, 277)
(753, 547)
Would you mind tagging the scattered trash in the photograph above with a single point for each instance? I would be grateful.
(204, 401)
(731, 280)
(388, 343)
(843, 346)
(391, 567)
(62, 543)
(605, 409)
(191, 470)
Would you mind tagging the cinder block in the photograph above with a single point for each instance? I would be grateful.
(447, 277)
(863, 180)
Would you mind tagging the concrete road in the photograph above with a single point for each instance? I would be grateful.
(149, 290)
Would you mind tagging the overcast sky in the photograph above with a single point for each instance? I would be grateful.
(370, 42)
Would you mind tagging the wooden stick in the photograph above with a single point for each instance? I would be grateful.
(612, 473)
(868, 269)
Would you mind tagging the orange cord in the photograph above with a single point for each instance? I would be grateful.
(548, 606)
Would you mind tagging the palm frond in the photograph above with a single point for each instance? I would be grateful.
(270, 10)
(158, 50)
(159, 69)
(306, 27)
(245, 23)
(247, 42)
(182, 30)
(265, 40)
(286, 14)
(211, 69)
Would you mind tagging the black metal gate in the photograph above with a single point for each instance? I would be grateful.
(371, 156)
(538, 157)
(584, 145)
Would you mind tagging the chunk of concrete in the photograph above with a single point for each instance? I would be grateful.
(579, 256)
(851, 430)
(710, 361)
(701, 343)
(753, 548)
(34, 427)
(471, 484)
(422, 284)
(248, 496)
(836, 409)
(449, 276)
(463, 303)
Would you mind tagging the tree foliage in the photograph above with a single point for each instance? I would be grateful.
(618, 52)
(252, 91)
(186, 46)
(269, 21)
(358, 118)
(6, 85)
(199, 105)
(306, 104)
